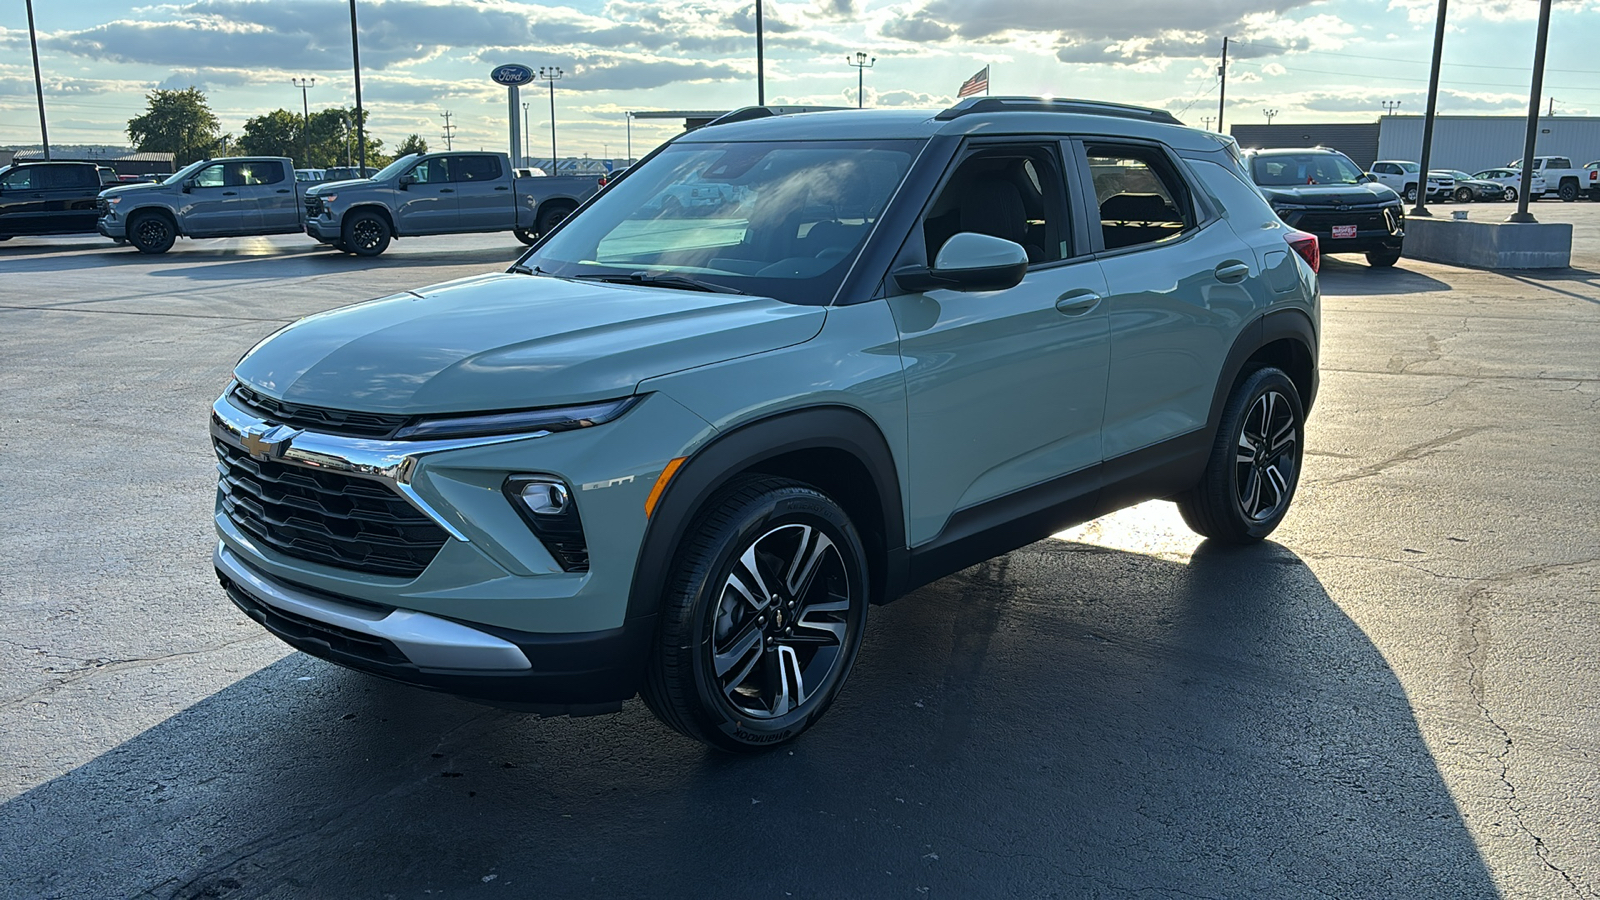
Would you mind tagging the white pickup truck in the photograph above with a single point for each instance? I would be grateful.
(1560, 177)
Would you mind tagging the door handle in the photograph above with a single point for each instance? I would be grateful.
(1076, 303)
(284, 191)
(1231, 272)
(447, 190)
(230, 193)
(502, 188)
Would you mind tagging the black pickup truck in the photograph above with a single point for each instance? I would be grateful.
(48, 198)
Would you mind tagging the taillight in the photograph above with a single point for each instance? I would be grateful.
(1306, 245)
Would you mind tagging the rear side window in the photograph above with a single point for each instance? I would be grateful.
(476, 168)
(1141, 197)
(249, 173)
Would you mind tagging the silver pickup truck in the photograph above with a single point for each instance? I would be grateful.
(225, 197)
(440, 193)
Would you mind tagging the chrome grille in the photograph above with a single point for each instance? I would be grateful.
(318, 418)
(326, 517)
(313, 206)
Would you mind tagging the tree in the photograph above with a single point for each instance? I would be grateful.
(284, 133)
(275, 134)
(412, 144)
(176, 122)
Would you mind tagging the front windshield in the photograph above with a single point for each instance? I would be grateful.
(393, 170)
(182, 174)
(783, 219)
(1289, 169)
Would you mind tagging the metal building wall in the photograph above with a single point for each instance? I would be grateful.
(1474, 143)
(1357, 140)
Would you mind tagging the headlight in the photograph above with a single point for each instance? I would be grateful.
(328, 198)
(565, 418)
(113, 200)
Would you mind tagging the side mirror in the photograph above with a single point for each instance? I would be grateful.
(407, 180)
(969, 262)
(188, 185)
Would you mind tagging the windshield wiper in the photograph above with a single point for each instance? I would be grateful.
(521, 269)
(663, 279)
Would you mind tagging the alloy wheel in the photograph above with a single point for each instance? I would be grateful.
(780, 627)
(366, 234)
(1266, 457)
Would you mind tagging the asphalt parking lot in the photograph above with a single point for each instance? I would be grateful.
(1399, 696)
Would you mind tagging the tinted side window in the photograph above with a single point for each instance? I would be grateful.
(433, 171)
(476, 168)
(1561, 162)
(17, 180)
(1011, 192)
(249, 173)
(65, 177)
(1142, 198)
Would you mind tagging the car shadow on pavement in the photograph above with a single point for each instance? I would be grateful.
(1343, 278)
(1065, 721)
(1566, 282)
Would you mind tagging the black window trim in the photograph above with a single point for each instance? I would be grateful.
(1204, 215)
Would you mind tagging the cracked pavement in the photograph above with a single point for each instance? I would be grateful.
(1399, 696)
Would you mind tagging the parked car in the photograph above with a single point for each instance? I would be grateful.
(1511, 181)
(348, 173)
(440, 193)
(1560, 177)
(1322, 192)
(1469, 188)
(309, 176)
(107, 175)
(1402, 177)
(681, 456)
(211, 198)
(42, 198)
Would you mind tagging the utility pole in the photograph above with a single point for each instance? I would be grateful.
(38, 83)
(1208, 120)
(862, 64)
(361, 115)
(1421, 209)
(1222, 96)
(761, 61)
(1389, 106)
(1269, 113)
(449, 130)
(552, 74)
(305, 84)
(1552, 107)
(629, 117)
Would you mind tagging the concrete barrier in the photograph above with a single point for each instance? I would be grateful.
(1490, 245)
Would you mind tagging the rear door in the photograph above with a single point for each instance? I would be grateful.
(273, 191)
(428, 205)
(483, 193)
(22, 201)
(1181, 284)
(68, 193)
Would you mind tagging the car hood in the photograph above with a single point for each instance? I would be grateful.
(506, 341)
(125, 189)
(323, 187)
(1334, 195)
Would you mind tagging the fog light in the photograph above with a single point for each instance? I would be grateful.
(545, 498)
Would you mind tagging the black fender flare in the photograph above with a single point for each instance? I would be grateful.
(1276, 325)
(745, 448)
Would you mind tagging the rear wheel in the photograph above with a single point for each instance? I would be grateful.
(1511, 195)
(151, 233)
(1569, 191)
(367, 234)
(524, 235)
(550, 218)
(1250, 479)
(762, 616)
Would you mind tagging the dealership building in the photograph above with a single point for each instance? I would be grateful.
(1468, 143)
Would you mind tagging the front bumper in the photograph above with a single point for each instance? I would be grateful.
(112, 227)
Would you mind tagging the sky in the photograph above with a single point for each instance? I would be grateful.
(1310, 60)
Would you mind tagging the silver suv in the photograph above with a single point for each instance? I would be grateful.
(679, 451)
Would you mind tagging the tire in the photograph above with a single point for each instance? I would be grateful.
(340, 246)
(550, 218)
(525, 236)
(1463, 195)
(366, 234)
(1511, 195)
(725, 669)
(1568, 192)
(1382, 259)
(1410, 194)
(151, 233)
(1230, 502)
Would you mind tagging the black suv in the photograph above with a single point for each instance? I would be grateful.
(48, 198)
(1322, 192)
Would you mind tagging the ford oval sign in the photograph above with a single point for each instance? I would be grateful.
(512, 75)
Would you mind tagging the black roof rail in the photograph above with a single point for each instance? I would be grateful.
(975, 105)
(762, 112)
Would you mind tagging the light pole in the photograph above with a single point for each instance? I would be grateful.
(38, 83)
(346, 117)
(1389, 106)
(552, 74)
(527, 140)
(361, 115)
(629, 117)
(1208, 120)
(862, 63)
(305, 84)
(761, 61)
(1269, 113)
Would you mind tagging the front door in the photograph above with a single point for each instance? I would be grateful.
(1004, 390)
(483, 193)
(428, 205)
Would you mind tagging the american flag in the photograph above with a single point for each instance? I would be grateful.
(977, 84)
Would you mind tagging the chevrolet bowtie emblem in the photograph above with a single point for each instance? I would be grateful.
(268, 443)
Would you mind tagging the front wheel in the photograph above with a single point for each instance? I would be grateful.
(1463, 195)
(1382, 259)
(762, 616)
(1250, 478)
(151, 233)
(367, 234)
(525, 236)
